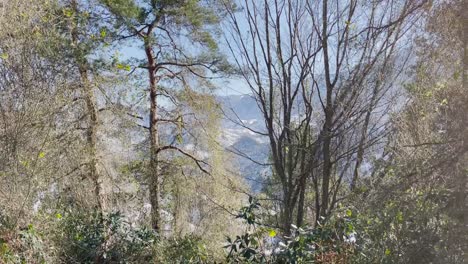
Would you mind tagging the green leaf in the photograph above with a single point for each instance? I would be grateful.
(399, 217)
(179, 138)
(387, 252)
(428, 94)
(272, 233)
(4, 249)
(41, 155)
(68, 12)
(121, 66)
(103, 33)
(4, 56)
(58, 216)
(180, 121)
(349, 213)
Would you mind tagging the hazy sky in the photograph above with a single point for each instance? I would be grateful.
(225, 86)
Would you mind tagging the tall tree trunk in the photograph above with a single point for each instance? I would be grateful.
(92, 137)
(305, 171)
(301, 202)
(462, 205)
(363, 138)
(287, 216)
(91, 112)
(327, 126)
(154, 139)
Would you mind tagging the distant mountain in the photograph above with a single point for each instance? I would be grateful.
(244, 106)
(250, 147)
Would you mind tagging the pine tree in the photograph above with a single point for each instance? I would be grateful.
(178, 40)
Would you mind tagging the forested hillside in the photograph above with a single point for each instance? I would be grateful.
(234, 131)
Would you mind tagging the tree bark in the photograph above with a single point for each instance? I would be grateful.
(327, 126)
(287, 216)
(363, 138)
(301, 202)
(92, 137)
(92, 113)
(154, 138)
(463, 175)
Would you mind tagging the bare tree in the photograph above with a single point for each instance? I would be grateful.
(310, 67)
(276, 55)
(39, 141)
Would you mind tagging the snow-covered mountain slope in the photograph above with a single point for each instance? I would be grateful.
(242, 120)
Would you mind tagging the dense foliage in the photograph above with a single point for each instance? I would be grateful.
(122, 138)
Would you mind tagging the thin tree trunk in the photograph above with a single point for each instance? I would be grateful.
(363, 138)
(92, 137)
(287, 216)
(154, 140)
(303, 181)
(300, 204)
(463, 174)
(93, 117)
(317, 199)
(326, 173)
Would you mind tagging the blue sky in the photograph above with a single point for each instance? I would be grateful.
(226, 86)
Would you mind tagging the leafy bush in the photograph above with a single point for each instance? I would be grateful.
(23, 246)
(106, 239)
(418, 232)
(20, 245)
(332, 242)
(188, 249)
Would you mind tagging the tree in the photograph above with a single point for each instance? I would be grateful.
(79, 27)
(436, 113)
(418, 183)
(33, 93)
(167, 29)
(310, 67)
